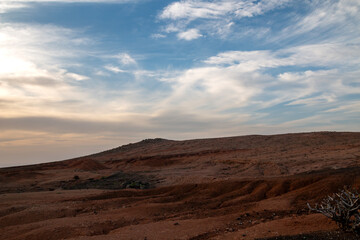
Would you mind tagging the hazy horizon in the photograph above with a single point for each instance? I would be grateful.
(83, 76)
(92, 151)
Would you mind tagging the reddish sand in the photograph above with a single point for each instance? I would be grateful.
(227, 188)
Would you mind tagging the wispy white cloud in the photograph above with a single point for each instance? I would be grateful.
(314, 101)
(214, 16)
(329, 13)
(114, 69)
(242, 79)
(101, 73)
(35, 72)
(8, 6)
(324, 54)
(33, 50)
(76, 76)
(158, 35)
(190, 34)
(326, 20)
(73, 1)
(336, 19)
(124, 58)
(351, 107)
(191, 10)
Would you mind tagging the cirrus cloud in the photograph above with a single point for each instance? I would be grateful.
(213, 17)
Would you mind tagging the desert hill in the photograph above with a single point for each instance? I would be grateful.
(245, 187)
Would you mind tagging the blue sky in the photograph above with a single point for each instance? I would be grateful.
(81, 76)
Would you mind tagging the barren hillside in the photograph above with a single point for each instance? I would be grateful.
(226, 188)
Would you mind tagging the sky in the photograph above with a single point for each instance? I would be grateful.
(82, 76)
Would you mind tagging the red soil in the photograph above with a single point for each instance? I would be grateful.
(229, 188)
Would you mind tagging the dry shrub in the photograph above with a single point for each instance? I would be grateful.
(342, 207)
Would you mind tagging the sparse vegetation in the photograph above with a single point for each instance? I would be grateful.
(119, 180)
(137, 185)
(342, 207)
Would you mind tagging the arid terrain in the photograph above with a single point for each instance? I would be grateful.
(248, 187)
